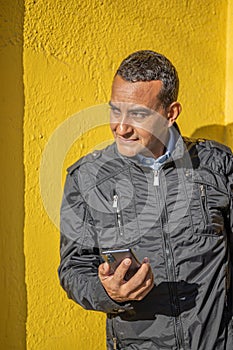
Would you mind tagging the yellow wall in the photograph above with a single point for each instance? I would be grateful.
(228, 137)
(12, 269)
(70, 53)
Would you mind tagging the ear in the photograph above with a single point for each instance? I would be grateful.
(173, 112)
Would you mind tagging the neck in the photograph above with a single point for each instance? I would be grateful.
(159, 147)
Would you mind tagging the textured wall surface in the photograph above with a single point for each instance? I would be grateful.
(71, 50)
(12, 270)
(228, 137)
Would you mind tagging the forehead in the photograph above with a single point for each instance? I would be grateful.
(141, 92)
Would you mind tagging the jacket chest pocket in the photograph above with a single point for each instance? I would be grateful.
(114, 213)
(209, 203)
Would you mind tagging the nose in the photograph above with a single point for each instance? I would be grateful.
(123, 127)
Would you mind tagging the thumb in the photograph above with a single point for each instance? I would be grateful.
(104, 269)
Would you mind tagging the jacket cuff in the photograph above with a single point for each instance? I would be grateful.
(104, 303)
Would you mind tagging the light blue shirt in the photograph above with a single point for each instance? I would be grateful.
(155, 164)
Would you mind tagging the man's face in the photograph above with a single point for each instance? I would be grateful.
(138, 121)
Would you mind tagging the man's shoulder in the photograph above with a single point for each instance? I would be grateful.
(93, 158)
(210, 154)
(206, 144)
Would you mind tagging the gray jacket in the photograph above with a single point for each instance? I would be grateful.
(181, 217)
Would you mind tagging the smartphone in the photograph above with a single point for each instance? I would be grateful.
(115, 256)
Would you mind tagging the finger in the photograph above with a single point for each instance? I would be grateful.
(142, 290)
(121, 270)
(104, 270)
(138, 280)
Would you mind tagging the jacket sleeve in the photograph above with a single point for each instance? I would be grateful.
(230, 190)
(230, 221)
(78, 270)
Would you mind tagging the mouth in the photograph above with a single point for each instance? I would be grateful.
(126, 141)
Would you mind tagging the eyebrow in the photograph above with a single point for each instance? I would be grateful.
(112, 105)
(140, 110)
(133, 109)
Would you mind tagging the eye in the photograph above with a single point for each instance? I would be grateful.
(115, 112)
(139, 116)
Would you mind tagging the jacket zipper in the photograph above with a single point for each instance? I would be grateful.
(170, 270)
(116, 206)
(113, 337)
(204, 205)
(156, 177)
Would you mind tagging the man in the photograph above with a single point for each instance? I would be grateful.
(166, 197)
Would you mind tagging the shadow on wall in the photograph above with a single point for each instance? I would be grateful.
(12, 267)
(220, 133)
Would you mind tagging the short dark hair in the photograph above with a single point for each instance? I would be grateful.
(147, 65)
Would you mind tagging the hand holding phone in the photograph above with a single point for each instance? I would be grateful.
(131, 282)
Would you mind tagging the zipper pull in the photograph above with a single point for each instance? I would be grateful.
(156, 178)
(202, 188)
(115, 205)
(114, 343)
(115, 201)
